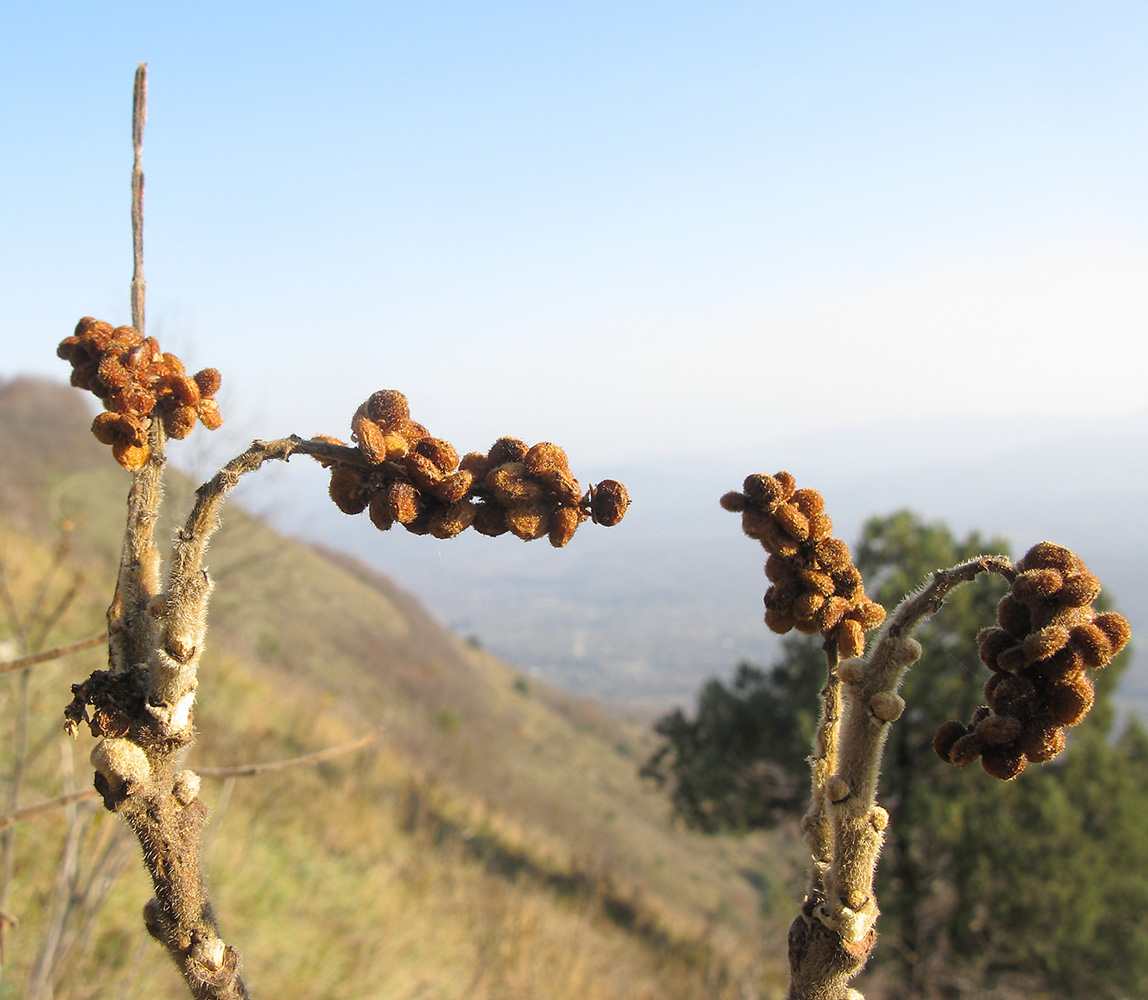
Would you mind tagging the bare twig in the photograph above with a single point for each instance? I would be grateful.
(7, 842)
(234, 771)
(138, 580)
(57, 612)
(32, 630)
(63, 894)
(139, 120)
(19, 815)
(54, 654)
(112, 851)
(58, 556)
(250, 770)
(15, 619)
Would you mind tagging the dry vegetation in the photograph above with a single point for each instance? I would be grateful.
(494, 843)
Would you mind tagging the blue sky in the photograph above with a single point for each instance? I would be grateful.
(632, 228)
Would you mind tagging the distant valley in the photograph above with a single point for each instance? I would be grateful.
(643, 612)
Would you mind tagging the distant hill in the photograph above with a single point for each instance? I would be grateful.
(495, 843)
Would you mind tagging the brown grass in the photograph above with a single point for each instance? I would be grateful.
(496, 844)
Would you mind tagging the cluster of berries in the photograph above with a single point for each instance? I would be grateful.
(419, 482)
(1048, 638)
(814, 585)
(136, 382)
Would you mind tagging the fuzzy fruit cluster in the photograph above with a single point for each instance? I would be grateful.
(410, 478)
(814, 586)
(137, 382)
(1042, 652)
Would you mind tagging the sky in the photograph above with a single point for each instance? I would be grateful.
(642, 230)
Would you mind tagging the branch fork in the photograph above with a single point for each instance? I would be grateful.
(832, 938)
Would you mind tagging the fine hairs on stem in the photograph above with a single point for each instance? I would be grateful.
(1048, 639)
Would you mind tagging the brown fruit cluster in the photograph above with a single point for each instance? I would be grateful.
(420, 482)
(136, 381)
(814, 585)
(1048, 639)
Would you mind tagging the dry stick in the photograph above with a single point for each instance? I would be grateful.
(63, 894)
(50, 620)
(37, 625)
(8, 844)
(19, 764)
(235, 771)
(89, 896)
(830, 943)
(54, 654)
(130, 633)
(59, 554)
(250, 770)
(14, 617)
(139, 120)
(19, 815)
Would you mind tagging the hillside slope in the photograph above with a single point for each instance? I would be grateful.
(494, 843)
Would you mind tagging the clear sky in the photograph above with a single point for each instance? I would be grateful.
(629, 227)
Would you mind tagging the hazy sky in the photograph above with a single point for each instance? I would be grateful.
(626, 227)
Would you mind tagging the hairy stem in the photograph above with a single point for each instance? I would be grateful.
(182, 613)
(131, 636)
(823, 764)
(831, 940)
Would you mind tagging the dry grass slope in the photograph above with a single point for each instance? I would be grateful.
(495, 843)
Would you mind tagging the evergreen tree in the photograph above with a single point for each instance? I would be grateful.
(741, 762)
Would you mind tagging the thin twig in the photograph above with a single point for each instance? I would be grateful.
(131, 630)
(58, 555)
(235, 771)
(19, 767)
(51, 618)
(64, 897)
(90, 897)
(54, 654)
(19, 815)
(14, 617)
(249, 770)
(139, 120)
(138, 579)
(823, 765)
